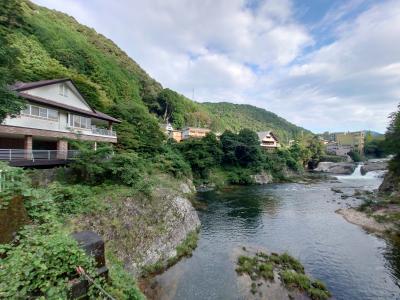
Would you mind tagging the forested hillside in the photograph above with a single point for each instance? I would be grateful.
(47, 44)
(229, 116)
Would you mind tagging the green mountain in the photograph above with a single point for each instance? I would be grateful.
(49, 44)
(229, 116)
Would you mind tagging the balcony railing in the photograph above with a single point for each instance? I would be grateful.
(102, 131)
(36, 155)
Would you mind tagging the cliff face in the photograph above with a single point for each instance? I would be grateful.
(141, 230)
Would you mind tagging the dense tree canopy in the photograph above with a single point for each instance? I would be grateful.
(393, 141)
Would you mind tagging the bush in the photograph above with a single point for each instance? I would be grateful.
(13, 182)
(171, 161)
(355, 156)
(41, 264)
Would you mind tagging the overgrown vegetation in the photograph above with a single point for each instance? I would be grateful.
(42, 258)
(393, 142)
(236, 157)
(290, 270)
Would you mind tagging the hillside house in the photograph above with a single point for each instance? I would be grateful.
(55, 112)
(268, 140)
(193, 132)
(172, 133)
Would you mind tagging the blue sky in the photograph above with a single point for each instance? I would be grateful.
(322, 64)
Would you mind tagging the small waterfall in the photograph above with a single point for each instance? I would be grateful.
(357, 172)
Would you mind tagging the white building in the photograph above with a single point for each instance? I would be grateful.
(268, 140)
(55, 112)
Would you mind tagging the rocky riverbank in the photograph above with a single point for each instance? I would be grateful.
(144, 230)
(362, 219)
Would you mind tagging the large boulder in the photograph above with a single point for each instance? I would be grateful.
(342, 168)
(374, 166)
(262, 178)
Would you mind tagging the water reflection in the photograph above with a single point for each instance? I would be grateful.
(297, 218)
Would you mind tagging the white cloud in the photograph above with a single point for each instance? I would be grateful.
(226, 50)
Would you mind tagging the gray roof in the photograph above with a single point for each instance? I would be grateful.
(263, 134)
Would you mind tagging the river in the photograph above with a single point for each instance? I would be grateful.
(297, 218)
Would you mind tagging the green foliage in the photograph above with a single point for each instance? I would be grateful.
(234, 117)
(375, 148)
(315, 289)
(10, 17)
(355, 156)
(291, 271)
(40, 264)
(122, 285)
(140, 131)
(202, 154)
(171, 161)
(392, 137)
(13, 182)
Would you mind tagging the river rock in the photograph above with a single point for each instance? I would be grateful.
(341, 168)
(262, 178)
(374, 166)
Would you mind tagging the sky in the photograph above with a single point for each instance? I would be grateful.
(325, 65)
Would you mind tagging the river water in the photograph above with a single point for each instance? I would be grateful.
(297, 218)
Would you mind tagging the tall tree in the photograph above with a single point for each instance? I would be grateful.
(10, 17)
(392, 136)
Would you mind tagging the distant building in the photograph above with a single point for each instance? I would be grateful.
(176, 135)
(337, 149)
(355, 140)
(193, 132)
(169, 130)
(268, 140)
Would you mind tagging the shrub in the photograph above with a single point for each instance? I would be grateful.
(13, 182)
(41, 264)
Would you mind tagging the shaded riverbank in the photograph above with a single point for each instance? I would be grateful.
(297, 218)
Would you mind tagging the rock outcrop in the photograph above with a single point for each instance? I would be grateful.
(374, 166)
(336, 168)
(143, 230)
(262, 178)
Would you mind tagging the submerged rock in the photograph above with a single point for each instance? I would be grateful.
(273, 276)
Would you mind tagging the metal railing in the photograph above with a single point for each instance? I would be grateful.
(103, 131)
(33, 155)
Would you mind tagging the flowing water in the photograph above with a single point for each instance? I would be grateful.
(299, 219)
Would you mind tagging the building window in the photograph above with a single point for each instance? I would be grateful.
(79, 122)
(63, 89)
(40, 112)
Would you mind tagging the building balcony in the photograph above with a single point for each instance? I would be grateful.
(26, 158)
(105, 132)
